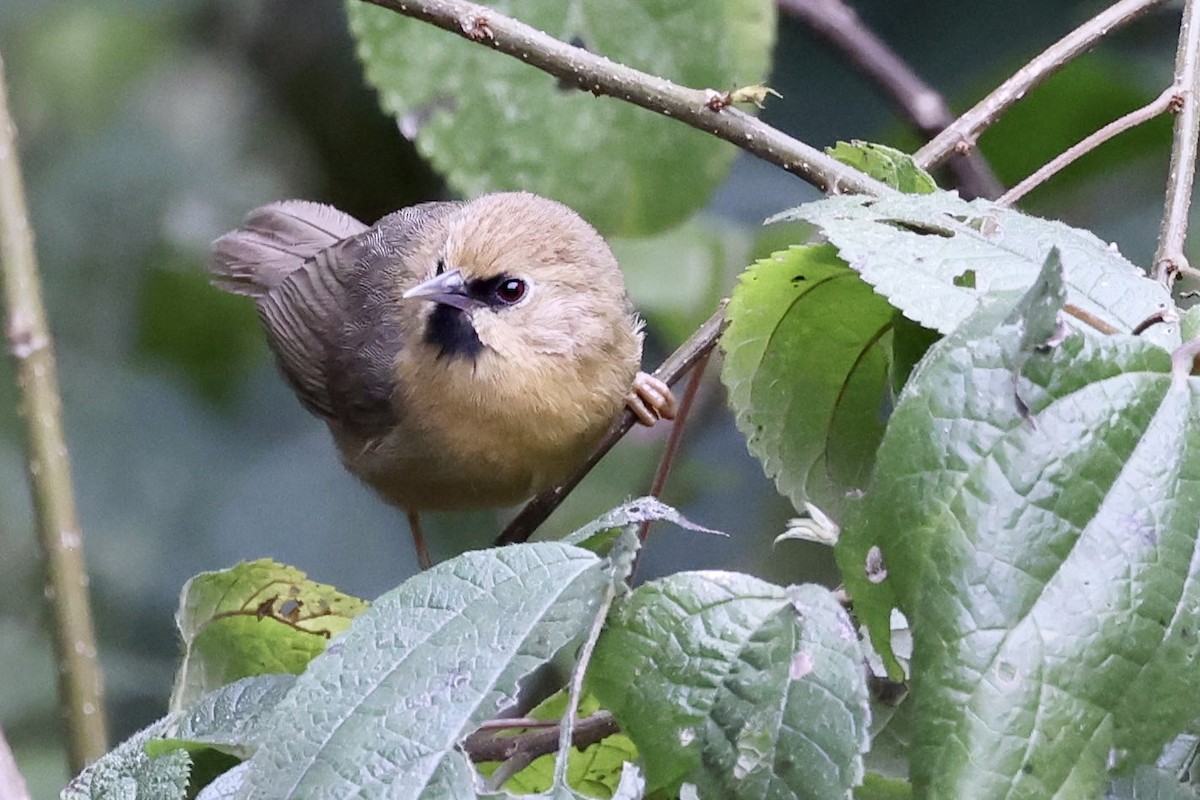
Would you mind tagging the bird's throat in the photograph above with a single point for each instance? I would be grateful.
(451, 331)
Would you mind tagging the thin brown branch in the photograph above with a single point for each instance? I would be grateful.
(12, 784)
(1169, 258)
(1160, 105)
(671, 451)
(920, 103)
(601, 76)
(677, 364)
(79, 683)
(960, 137)
(484, 746)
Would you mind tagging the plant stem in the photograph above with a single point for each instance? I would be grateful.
(79, 681)
(1160, 105)
(960, 137)
(699, 108)
(841, 26)
(1169, 258)
(677, 364)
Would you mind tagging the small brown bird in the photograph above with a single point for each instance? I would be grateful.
(464, 355)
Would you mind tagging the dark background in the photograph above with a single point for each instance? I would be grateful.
(147, 129)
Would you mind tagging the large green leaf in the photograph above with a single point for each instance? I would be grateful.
(381, 711)
(128, 771)
(744, 688)
(937, 257)
(1036, 503)
(488, 122)
(257, 618)
(807, 357)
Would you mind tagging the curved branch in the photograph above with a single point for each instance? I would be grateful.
(960, 137)
(1169, 258)
(706, 110)
(79, 682)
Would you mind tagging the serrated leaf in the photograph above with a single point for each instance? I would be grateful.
(257, 618)
(744, 688)
(893, 167)
(1037, 512)
(128, 771)
(380, 713)
(230, 719)
(936, 257)
(806, 365)
(489, 122)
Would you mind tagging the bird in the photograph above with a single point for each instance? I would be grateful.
(463, 354)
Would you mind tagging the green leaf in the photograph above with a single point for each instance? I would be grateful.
(936, 257)
(230, 720)
(887, 164)
(257, 618)
(380, 713)
(806, 365)
(128, 771)
(1036, 504)
(739, 686)
(1149, 783)
(489, 122)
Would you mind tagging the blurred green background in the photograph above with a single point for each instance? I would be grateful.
(148, 129)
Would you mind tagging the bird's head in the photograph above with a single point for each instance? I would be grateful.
(519, 277)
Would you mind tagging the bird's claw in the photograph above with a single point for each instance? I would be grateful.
(650, 399)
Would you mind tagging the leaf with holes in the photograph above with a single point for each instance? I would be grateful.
(936, 257)
(1035, 502)
(807, 354)
(490, 122)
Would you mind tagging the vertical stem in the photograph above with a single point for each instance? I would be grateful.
(1169, 258)
(79, 682)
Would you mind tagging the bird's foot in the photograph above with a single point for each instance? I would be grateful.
(650, 400)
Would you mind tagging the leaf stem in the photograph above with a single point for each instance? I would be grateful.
(601, 76)
(29, 345)
(1160, 105)
(1169, 258)
(839, 24)
(960, 137)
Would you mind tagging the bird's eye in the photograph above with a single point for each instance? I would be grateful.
(510, 291)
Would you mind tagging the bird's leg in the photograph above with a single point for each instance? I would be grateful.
(650, 399)
(418, 537)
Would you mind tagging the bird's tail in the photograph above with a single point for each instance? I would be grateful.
(274, 241)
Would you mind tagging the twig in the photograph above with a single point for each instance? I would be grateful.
(671, 450)
(924, 107)
(1169, 258)
(540, 740)
(600, 76)
(1160, 105)
(12, 785)
(677, 364)
(79, 682)
(960, 137)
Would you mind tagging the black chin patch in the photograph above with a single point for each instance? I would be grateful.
(452, 333)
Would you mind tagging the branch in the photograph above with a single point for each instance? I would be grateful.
(79, 683)
(12, 785)
(677, 364)
(840, 25)
(960, 137)
(1160, 105)
(488, 746)
(702, 109)
(1169, 258)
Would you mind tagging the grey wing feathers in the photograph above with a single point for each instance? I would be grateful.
(325, 286)
(273, 242)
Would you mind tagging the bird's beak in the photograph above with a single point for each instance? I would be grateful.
(449, 289)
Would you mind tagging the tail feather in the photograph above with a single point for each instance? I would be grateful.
(275, 240)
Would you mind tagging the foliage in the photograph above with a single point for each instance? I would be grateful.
(991, 414)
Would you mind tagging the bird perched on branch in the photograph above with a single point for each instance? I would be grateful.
(463, 355)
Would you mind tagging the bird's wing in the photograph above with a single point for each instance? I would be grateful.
(334, 324)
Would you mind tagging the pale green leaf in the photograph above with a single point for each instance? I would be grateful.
(886, 164)
(489, 122)
(127, 771)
